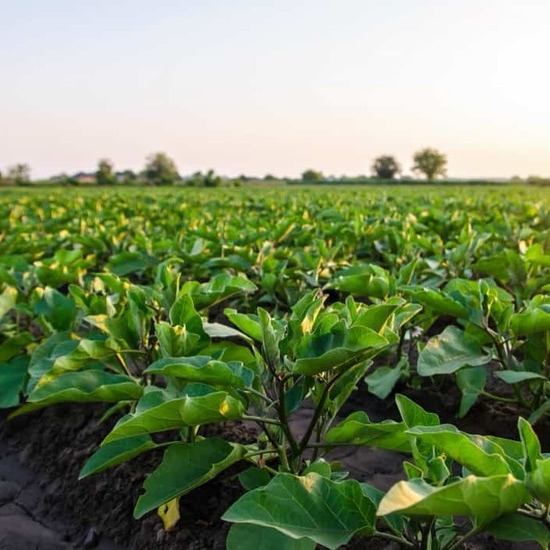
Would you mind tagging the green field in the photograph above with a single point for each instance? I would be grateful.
(182, 308)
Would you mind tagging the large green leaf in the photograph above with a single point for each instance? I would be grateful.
(530, 322)
(83, 387)
(115, 453)
(57, 309)
(437, 301)
(449, 352)
(246, 536)
(480, 455)
(328, 512)
(484, 498)
(203, 369)
(520, 529)
(176, 413)
(333, 349)
(358, 429)
(184, 467)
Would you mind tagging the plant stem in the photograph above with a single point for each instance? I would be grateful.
(394, 538)
(317, 414)
(461, 540)
(261, 419)
(281, 407)
(259, 394)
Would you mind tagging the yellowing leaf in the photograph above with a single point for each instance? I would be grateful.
(169, 513)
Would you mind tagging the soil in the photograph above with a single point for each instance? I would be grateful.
(43, 506)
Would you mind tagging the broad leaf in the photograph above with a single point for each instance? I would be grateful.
(520, 529)
(449, 352)
(328, 512)
(483, 498)
(184, 467)
(358, 429)
(173, 414)
(246, 536)
(115, 453)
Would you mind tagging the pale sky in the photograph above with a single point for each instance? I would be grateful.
(275, 86)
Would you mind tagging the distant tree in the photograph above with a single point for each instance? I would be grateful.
(270, 177)
(385, 167)
(19, 174)
(160, 170)
(312, 176)
(430, 162)
(104, 174)
(127, 177)
(210, 179)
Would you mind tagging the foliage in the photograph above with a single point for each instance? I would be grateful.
(312, 176)
(430, 162)
(160, 170)
(386, 167)
(104, 174)
(181, 310)
(18, 174)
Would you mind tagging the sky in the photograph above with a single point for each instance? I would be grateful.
(275, 86)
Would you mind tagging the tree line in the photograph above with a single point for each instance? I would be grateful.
(429, 162)
(161, 170)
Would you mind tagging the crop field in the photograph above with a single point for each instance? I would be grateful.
(204, 360)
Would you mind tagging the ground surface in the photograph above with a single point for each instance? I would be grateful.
(44, 506)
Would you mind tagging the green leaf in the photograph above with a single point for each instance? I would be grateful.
(176, 413)
(270, 338)
(471, 383)
(382, 381)
(82, 387)
(115, 453)
(254, 477)
(12, 381)
(8, 300)
(246, 536)
(247, 323)
(538, 481)
(520, 529)
(184, 467)
(328, 512)
(203, 369)
(484, 498)
(437, 301)
(515, 377)
(449, 352)
(358, 429)
(57, 309)
(468, 450)
(413, 414)
(15, 346)
(125, 263)
(531, 444)
(530, 322)
(331, 350)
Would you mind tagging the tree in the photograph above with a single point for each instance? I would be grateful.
(210, 179)
(430, 162)
(104, 174)
(312, 176)
(160, 170)
(385, 167)
(19, 174)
